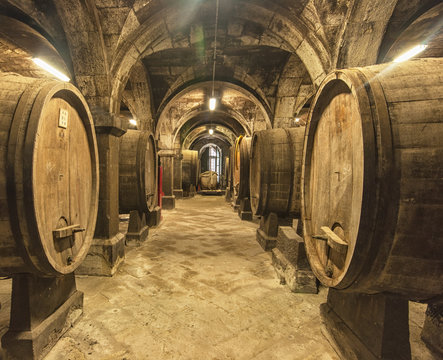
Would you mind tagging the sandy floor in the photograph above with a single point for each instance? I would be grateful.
(200, 288)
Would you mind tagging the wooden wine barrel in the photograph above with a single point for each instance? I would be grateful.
(189, 169)
(241, 167)
(48, 176)
(208, 180)
(372, 196)
(138, 168)
(276, 160)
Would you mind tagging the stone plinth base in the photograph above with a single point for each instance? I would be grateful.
(244, 210)
(42, 310)
(154, 217)
(228, 196)
(268, 231)
(104, 257)
(168, 202)
(291, 264)
(138, 231)
(178, 193)
(432, 333)
(369, 327)
(266, 242)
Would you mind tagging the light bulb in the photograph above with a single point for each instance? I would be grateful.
(133, 122)
(50, 69)
(211, 131)
(212, 103)
(297, 120)
(411, 53)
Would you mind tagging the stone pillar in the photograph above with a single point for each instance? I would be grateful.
(167, 162)
(108, 247)
(178, 188)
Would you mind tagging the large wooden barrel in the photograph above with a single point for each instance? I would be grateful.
(276, 161)
(48, 176)
(189, 169)
(208, 180)
(373, 180)
(138, 170)
(241, 167)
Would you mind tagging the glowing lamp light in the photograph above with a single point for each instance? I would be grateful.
(297, 120)
(212, 103)
(133, 122)
(411, 53)
(50, 69)
(211, 131)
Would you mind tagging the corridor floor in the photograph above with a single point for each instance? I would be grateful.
(199, 288)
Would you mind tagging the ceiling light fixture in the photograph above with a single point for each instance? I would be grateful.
(211, 131)
(410, 53)
(212, 103)
(50, 69)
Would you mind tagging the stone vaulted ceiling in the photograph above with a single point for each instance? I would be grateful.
(155, 56)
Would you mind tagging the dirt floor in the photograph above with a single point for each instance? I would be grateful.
(199, 288)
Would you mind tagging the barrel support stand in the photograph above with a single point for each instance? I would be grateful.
(432, 333)
(178, 193)
(370, 327)
(42, 310)
(138, 231)
(291, 263)
(228, 195)
(268, 231)
(244, 210)
(154, 217)
(235, 203)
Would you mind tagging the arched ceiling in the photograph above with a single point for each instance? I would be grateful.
(426, 29)
(156, 55)
(237, 110)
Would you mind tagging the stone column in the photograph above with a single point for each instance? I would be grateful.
(167, 162)
(178, 188)
(108, 247)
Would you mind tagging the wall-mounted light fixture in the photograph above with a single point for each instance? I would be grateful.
(410, 53)
(45, 66)
(133, 122)
(297, 120)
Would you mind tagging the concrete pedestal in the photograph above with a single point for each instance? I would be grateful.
(244, 210)
(228, 195)
(42, 310)
(154, 217)
(104, 257)
(432, 333)
(168, 202)
(178, 193)
(268, 230)
(291, 263)
(369, 327)
(138, 231)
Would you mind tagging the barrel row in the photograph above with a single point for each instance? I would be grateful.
(366, 176)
